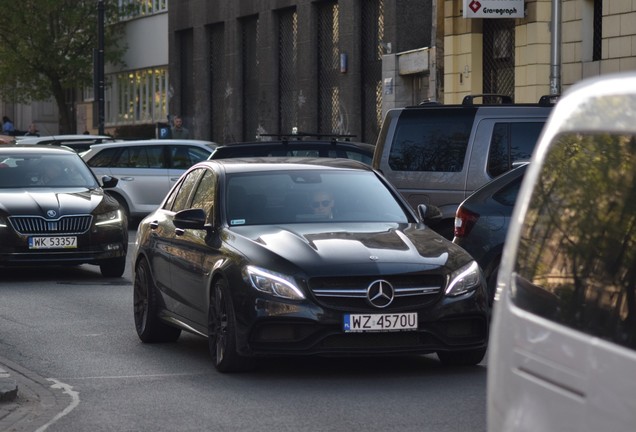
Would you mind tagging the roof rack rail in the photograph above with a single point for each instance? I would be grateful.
(468, 100)
(548, 100)
(430, 101)
(299, 135)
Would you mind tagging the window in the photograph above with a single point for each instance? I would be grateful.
(204, 195)
(508, 194)
(140, 157)
(427, 140)
(183, 193)
(576, 263)
(139, 96)
(185, 156)
(104, 158)
(511, 142)
(597, 38)
(135, 8)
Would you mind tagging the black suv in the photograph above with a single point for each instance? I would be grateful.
(439, 154)
(298, 145)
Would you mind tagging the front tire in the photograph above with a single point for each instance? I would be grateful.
(492, 285)
(113, 267)
(222, 332)
(149, 326)
(462, 358)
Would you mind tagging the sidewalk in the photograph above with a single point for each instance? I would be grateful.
(26, 399)
(8, 388)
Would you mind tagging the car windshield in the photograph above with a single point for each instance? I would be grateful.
(44, 171)
(309, 196)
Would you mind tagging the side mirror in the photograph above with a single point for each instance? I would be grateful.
(190, 219)
(429, 214)
(109, 182)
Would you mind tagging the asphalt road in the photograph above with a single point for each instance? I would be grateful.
(67, 337)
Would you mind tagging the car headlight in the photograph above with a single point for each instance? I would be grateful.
(276, 284)
(464, 279)
(112, 217)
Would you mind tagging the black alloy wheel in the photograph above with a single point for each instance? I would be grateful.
(222, 332)
(146, 309)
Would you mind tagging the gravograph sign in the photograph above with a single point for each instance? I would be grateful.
(493, 9)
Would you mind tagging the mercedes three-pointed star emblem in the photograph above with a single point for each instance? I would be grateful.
(380, 293)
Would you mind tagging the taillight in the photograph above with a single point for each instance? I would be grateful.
(464, 222)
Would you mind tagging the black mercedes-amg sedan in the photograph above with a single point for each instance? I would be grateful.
(284, 256)
(53, 211)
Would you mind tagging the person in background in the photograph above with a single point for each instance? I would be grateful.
(32, 131)
(7, 126)
(178, 130)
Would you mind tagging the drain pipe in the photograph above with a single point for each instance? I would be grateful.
(555, 52)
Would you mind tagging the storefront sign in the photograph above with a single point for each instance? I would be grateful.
(493, 8)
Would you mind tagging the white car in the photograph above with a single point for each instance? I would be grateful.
(78, 143)
(146, 169)
(562, 352)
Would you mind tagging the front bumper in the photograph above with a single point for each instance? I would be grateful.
(269, 327)
(93, 246)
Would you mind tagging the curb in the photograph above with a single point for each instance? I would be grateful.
(8, 387)
(27, 400)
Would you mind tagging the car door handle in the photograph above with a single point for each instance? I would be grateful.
(154, 224)
(179, 231)
(127, 178)
(174, 179)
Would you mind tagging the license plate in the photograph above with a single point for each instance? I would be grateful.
(380, 322)
(52, 242)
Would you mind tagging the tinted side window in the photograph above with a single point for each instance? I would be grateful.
(204, 195)
(359, 157)
(140, 157)
(103, 158)
(185, 190)
(427, 140)
(508, 194)
(183, 157)
(576, 262)
(511, 142)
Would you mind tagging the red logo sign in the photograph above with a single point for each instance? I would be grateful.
(474, 5)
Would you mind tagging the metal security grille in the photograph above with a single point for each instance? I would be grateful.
(372, 36)
(40, 225)
(250, 77)
(499, 57)
(217, 80)
(287, 67)
(330, 118)
(186, 59)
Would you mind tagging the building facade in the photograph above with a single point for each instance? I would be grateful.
(135, 94)
(244, 68)
(513, 56)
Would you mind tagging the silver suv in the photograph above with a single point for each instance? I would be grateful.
(146, 169)
(439, 154)
(562, 354)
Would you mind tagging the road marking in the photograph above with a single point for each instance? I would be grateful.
(138, 376)
(74, 402)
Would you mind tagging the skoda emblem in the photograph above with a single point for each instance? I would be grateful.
(51, 213)
(380, 294)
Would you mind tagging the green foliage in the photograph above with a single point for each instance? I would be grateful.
(46, 46)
